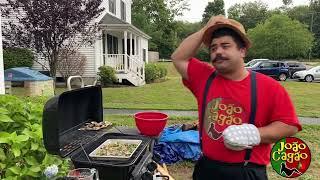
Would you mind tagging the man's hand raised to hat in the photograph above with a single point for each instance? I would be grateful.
(240, 137)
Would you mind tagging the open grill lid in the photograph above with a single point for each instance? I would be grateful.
(64, 114)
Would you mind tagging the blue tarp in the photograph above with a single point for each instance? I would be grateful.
(24, 74)
(176, 145)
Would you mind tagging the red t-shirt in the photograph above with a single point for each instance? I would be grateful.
(228, 102)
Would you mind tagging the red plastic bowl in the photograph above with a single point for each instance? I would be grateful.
(150, 123)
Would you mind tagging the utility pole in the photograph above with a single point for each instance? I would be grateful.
(2, 90)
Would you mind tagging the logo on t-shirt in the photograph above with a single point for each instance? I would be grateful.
(220, 113)
(290, 157)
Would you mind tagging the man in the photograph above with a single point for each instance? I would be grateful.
(241, 113)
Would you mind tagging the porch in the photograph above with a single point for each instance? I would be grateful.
(124, 47)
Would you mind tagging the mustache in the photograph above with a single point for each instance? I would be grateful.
(219, 57)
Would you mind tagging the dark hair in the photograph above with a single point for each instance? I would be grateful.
(229, 32)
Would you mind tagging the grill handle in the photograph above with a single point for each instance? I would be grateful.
(73, 77)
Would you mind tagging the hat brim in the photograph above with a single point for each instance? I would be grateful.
(207, 36)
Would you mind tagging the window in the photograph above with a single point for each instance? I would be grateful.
(123, 11)
(266, 65)
(112, 6)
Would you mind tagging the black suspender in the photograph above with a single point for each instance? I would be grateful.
(204, 103)
(252, 111)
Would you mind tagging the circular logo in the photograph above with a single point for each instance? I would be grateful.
(290, 157)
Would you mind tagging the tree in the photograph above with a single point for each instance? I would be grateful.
(249, 14)
(156, 18)
(300, 13)
(70, 63)
(212, 9)
(287, 2)
(47, 25)
(315, 26)
(280, 37)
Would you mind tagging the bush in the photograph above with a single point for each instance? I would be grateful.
(154, 72)
(203, 54)
(107, 75)
(22, 153)
(17, 57)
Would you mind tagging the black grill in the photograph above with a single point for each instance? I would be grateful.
(63, 115)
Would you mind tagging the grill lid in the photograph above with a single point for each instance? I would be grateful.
(64, 114)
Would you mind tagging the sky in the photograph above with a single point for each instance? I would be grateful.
(197, 7)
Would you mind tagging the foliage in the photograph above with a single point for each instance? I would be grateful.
(154, 72)
(249, 14)
(107, 75)
(50, 25)
(156, 18)
(203, 54)
(22, 154)
(287, 2)
(280, 37)
(184, 29)
(70, 63)
(315, 10)
(300, 13)
(17, 57)
(212, 9)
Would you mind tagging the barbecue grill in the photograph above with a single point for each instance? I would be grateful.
(65, 114)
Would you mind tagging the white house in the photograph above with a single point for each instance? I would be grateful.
(122, 46)
(2, 91)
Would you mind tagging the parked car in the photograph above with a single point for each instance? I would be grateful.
(275, 69)
(295, 66)
(308, 75)
(254, 61)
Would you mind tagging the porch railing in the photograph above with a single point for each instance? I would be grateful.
(125, 63)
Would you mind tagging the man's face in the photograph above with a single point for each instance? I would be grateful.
(225, 55)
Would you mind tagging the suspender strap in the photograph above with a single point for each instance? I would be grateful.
(253, 110)
(204, 103)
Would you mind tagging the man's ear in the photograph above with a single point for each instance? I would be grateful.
(243, 52)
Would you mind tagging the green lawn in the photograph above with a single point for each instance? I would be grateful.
(171, 94)
(183, 170)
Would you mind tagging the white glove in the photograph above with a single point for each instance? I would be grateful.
(240, 137)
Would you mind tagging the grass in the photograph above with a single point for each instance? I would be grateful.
(183, 170)
(171, 94)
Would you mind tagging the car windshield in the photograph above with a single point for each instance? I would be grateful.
(251, 63)
(255, 65)
(314, 68)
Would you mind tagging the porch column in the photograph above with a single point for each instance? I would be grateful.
(135, 45)
(105, 57)
(2, 90)
(130, 44)
(98, 52)
(125, 39)
(139, 47)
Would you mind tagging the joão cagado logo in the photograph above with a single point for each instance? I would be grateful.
(290, 157)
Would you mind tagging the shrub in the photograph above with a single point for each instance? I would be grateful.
(17, 57)
(107, 75)
(203, 54)
(22, 153)
(154, 72)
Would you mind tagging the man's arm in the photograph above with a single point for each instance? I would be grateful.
(189, 46)
(187, 49)
(275, 131)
